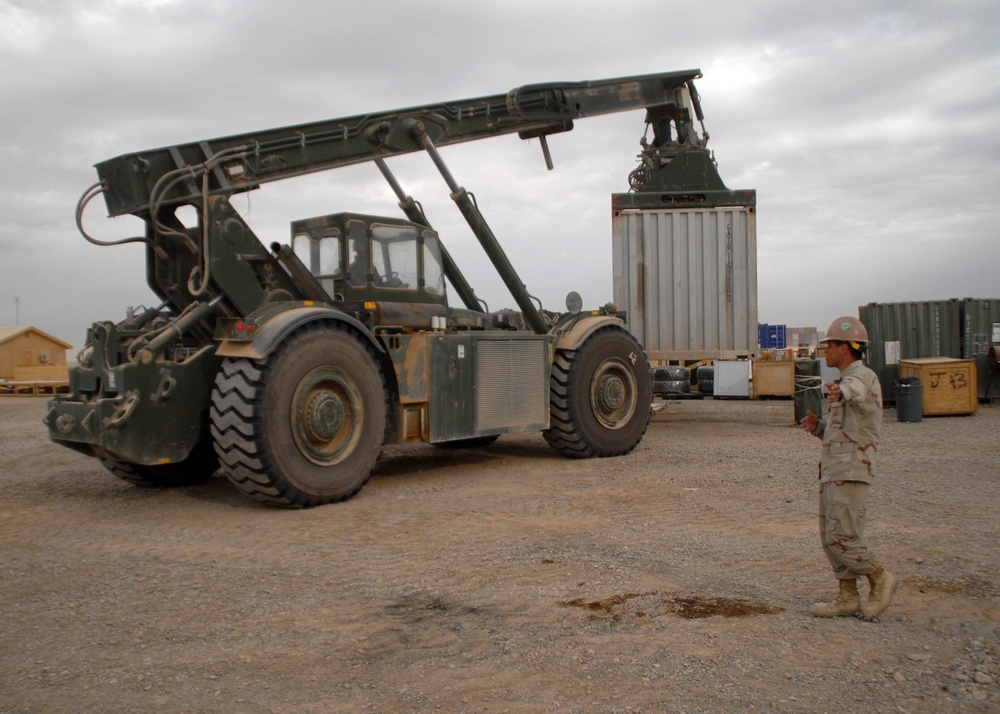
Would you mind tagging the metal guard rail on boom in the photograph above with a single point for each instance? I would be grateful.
(142, 183)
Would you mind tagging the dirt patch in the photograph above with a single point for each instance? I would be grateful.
(971, 586)
(690, 607)
(505, 579)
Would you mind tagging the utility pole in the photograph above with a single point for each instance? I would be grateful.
(17, 312)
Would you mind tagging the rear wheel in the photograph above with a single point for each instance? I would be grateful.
(305, 426)
(600, 396)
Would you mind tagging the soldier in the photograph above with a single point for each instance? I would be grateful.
(850, 435)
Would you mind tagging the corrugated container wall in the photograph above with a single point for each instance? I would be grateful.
(981, 329)
(688, 279)
(909, 330)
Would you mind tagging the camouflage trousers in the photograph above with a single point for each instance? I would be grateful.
(842, 528)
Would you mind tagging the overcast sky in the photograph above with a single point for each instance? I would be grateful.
(870, 131)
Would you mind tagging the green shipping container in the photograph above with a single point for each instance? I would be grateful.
(910, 330)
(981, 330)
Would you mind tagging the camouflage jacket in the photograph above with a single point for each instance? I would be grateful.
(851, 430)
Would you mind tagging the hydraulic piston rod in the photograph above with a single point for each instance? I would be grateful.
(413, 211)
(484, 233)
(176, 330)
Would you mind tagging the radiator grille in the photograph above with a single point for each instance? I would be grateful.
(511, 383)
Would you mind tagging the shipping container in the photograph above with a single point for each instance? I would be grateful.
(802, 337)
(910, 330)
(772, 337)
(687, 277)
(980, 331)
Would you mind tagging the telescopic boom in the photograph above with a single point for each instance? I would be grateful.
(144, 182)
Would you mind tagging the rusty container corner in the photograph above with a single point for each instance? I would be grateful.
(685, 271)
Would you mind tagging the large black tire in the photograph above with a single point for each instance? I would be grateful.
(671, 373)
(671, 387)
(600, 398)
(706, 379)
(305, 426)
(196, 468)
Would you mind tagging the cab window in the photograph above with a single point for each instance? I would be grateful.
(321, 255)
(433, 273)
(395, 256)
(357, 235)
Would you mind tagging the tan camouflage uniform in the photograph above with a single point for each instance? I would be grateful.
(850, 435)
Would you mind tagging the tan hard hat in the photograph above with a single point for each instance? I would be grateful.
(846, 329)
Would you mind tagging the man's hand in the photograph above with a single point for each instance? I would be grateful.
(809, 422)
(832, 392)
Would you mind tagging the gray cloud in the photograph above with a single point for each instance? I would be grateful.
(868, 130)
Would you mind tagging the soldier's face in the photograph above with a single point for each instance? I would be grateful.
(835, 354)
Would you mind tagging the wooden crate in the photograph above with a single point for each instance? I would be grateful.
(949, 384)
(773, 378)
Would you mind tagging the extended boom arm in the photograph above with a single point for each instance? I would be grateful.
(142, 183)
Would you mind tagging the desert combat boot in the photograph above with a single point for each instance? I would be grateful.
(883, 585)
(846, 603)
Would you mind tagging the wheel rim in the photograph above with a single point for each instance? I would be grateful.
(326, 416)
(613, 393)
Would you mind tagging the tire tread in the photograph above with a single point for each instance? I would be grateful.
(237, 429)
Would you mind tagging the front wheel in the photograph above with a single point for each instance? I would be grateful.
(600, 396)
(306, 425)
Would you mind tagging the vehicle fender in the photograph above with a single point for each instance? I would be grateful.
(583, 329)
(274, 331)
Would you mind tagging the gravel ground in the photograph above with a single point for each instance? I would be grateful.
(507, 579)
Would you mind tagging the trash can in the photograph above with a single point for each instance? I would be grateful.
(808, 389)
(909, 399)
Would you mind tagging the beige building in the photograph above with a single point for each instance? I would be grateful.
(27, 353)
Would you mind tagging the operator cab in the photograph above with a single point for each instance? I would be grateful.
(371, 258)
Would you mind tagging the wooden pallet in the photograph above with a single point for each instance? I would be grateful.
(27, 388)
